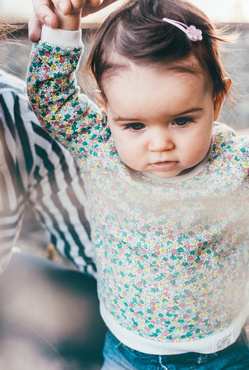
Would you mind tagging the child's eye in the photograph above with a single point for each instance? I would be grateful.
(136, 126)
(182, 121)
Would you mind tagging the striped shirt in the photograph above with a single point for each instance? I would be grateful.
(37, 172)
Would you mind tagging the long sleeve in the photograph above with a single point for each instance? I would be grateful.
(68, 116)
(37, 172)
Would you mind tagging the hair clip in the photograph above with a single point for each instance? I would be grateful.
(192, 33)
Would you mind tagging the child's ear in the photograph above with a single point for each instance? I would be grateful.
(219, 99)
(99, 98)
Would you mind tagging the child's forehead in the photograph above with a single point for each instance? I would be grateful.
(129, 74)
(149, 84)
(189, 64)
(129, 70)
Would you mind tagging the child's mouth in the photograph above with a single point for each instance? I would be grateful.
(164, 166)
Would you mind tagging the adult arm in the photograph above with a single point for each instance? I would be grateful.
(40, 173)
(56, 196)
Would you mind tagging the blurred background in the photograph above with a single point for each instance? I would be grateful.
(14, 55)
(217, 10)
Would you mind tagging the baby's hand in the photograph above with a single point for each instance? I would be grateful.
(57, 13)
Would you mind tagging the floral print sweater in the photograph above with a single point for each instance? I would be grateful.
(172, 255)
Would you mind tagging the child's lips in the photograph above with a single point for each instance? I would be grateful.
(164, 166)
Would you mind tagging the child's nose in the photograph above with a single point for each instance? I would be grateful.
(160, 141)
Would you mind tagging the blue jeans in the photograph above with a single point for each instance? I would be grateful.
(117, 356)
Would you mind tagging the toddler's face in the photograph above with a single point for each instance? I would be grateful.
(161, 118)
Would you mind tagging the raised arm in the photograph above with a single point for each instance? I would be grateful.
(69, 117)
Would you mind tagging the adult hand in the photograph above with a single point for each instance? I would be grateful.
(45, 12)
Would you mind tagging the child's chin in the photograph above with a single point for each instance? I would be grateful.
(164, 174)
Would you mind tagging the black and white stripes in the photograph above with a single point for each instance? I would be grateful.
(36, 171)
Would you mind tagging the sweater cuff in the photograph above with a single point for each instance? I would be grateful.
(61, 37)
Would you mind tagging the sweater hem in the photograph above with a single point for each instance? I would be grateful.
(210, 344)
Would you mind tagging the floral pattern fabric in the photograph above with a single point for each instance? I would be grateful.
(172, 257)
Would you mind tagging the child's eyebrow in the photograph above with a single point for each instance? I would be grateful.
(120, 119)
(191, 110)
(125, 119)
(181, 69)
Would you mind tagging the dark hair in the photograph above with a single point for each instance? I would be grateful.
(136, 31)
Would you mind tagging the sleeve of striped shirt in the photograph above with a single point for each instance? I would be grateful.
(49, 179)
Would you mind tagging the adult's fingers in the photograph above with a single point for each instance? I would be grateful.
(45, 10)
(45, 13)
(95, 3)
(34, 28)
(42, 15)
(64, 6)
